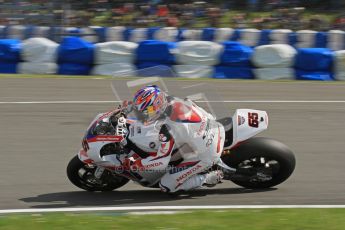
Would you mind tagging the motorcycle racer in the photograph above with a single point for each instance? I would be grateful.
(186, 130)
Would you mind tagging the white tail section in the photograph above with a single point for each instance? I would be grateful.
(247, 123)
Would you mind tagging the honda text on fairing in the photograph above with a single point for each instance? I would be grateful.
(251, 162)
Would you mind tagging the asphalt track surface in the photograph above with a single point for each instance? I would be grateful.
(38, 140)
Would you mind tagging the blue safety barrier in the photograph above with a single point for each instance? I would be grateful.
(236, 54)
(10, 50)
(156, 51)
(76, 56)
(74, 69)
(264, 37)
(180, 34)
(151, 32)
(314, 75)
(292, 39)
(208, 34)
(229, 72)
(314, 59)
(144, 65)
(76, 50)
(236, 35)
(127, 33)
(321, 40)
(101, 33)
(8, 67)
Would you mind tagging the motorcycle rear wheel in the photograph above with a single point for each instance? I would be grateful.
(261, 163)
(81, 175)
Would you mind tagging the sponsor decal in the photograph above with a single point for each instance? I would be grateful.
(138, 129)
(85, 145)
(202, 126)
(152, 145)
(208, 135)
(240, 120)
(153, 165)
(182, 167)
(106, 138)
(115, 138)
(188, 173)
(207, 129)
(210, 140)
(165, 147)
(164, 150)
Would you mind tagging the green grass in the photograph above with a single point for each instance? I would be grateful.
(241, 219)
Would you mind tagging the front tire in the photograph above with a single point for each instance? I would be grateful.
(81, 175)
(267, 162)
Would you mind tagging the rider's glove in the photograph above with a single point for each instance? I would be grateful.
(126, 107)
(126, 163)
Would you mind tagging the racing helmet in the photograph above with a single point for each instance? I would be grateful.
(149, 103)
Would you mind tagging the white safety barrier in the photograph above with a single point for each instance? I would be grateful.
(280, 36)
(339, 65)
(115, 33)
(16, 32)
(41, 31)
(192, 35)
(167, 34)
(305, 38)
(274, 73)
(114, 69)
(37, 68)
(336, 39)
(278, 55)
(223, 34)
(193, 71)
(250, 37)
(138, 35)
(115, 52)
(39, 50)
(70, 30)
(89, 34)
(198, 53)
(2, 29)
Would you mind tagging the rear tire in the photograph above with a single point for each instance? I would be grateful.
(278, 160)
(79, 174)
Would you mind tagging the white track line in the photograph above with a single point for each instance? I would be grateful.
(58, 102)
(165, 208)
(106, 102)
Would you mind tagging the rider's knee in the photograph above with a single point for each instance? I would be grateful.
(165, 188)
(167, 184)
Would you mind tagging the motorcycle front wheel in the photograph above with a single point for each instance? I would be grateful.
(260, 163)
(82, 176)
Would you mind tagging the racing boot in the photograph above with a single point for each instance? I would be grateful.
(213, 178)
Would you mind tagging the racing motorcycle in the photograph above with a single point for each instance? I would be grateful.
(248, 161)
